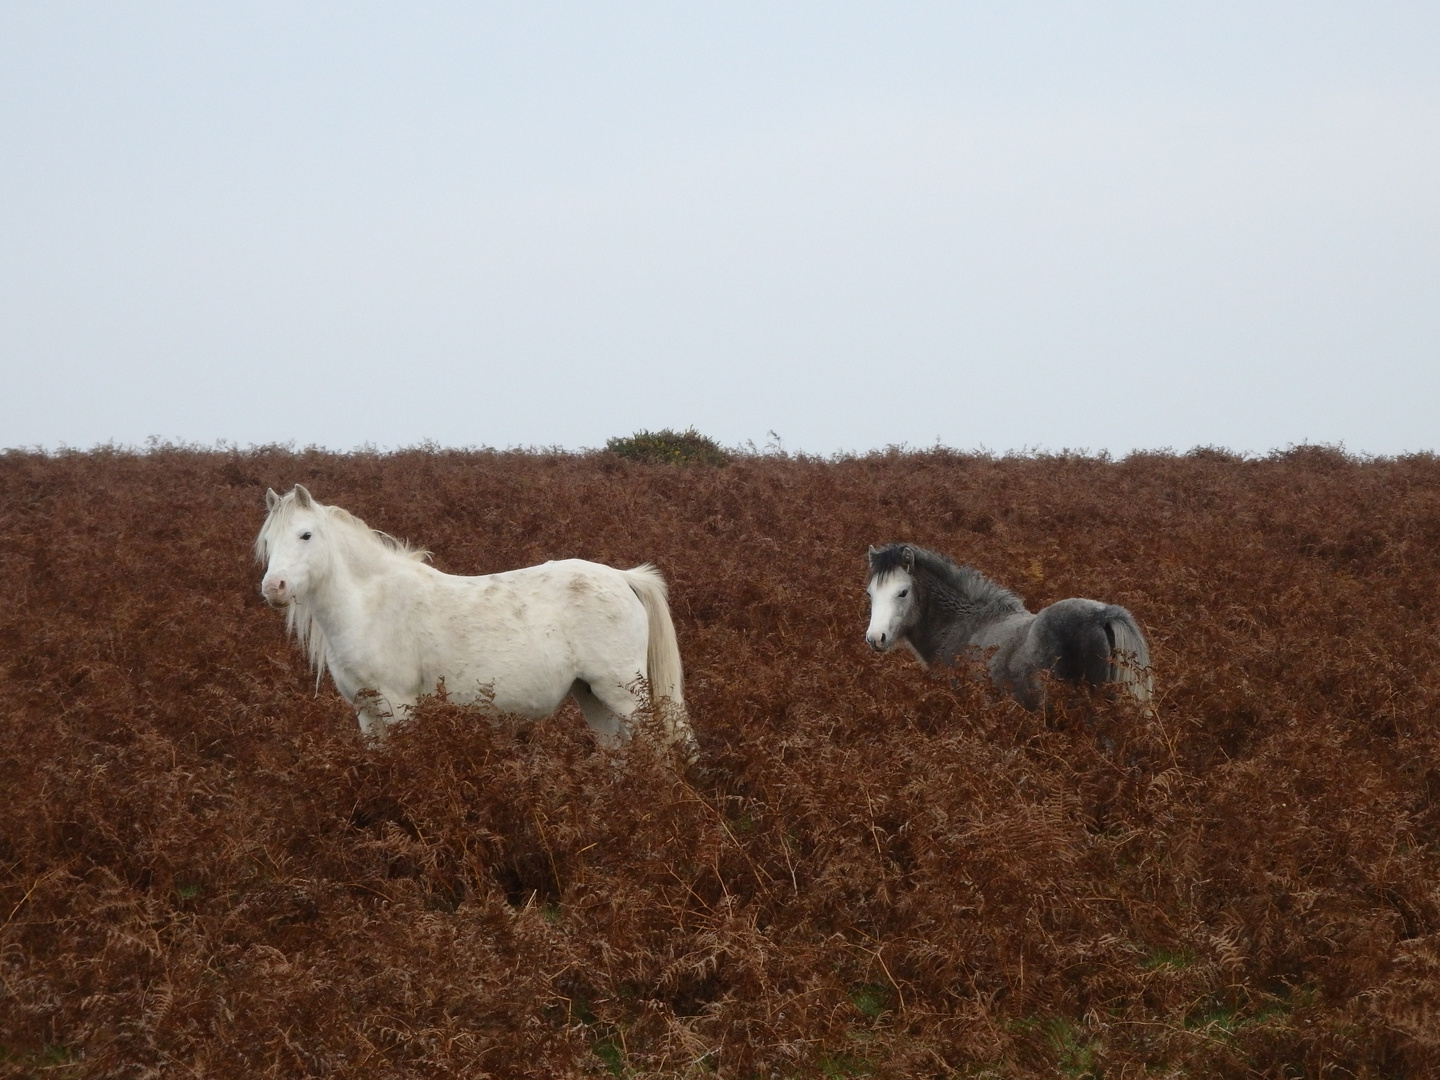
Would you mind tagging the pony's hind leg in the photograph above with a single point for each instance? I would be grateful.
(604, 718)
(609, 719)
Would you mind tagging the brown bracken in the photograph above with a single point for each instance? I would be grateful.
(204, 871)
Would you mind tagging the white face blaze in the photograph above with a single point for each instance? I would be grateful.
(296, 555)
(892, 596)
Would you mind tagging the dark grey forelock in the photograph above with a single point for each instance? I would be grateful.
(886, 560)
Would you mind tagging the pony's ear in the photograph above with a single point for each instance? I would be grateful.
(271, 499)
(870, 555)
(907, 559)
(302, 497)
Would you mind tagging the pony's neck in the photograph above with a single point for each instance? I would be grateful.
(955, 611)
(335, 612)
(345, 596)
(927, 636)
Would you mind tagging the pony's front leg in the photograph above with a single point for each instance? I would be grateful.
(378, 712)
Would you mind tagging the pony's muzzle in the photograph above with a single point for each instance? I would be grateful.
(275, 592)
(879, 642)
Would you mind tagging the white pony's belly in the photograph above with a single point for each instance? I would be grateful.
(520, 639)
(532, 690)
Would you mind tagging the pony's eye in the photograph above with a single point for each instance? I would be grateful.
(305, 535)
(902, 594)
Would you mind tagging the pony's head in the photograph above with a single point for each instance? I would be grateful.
(292, 546)
(302, 540)
(893, 607)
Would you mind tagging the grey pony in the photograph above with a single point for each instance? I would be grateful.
(955, 612)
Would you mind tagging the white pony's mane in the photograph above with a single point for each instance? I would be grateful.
(353, 540)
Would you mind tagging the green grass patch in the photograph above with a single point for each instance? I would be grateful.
(1077, 1050)
(1174, 959)
(742, 825)
(872, 999)
(1218, 1017)
(610, 1051)
(839, 1066)
(50, 1057)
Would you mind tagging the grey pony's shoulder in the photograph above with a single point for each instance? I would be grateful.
(984, 618)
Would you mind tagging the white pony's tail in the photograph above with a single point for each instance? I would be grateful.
(662, 656)
(1129, 655)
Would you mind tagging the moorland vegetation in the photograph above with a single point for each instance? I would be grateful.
(205, 871)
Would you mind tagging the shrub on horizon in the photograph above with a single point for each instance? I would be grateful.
(686, 447)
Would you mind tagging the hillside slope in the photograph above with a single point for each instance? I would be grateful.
(205, 872)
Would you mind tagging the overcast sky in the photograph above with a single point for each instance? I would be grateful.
(1020, 225)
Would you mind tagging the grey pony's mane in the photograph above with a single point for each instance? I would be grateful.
(354, 538)
(957, 588)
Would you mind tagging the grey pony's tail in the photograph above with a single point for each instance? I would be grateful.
(1129, 655)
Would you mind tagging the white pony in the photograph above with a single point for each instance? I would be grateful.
(390, 628)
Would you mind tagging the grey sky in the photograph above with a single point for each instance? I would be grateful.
(1093, 225)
